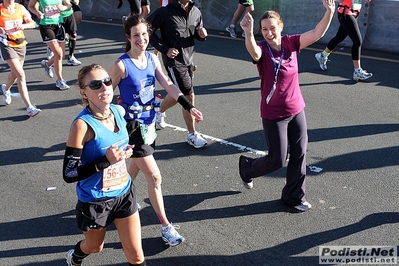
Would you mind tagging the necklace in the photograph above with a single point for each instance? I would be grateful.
(101, 118)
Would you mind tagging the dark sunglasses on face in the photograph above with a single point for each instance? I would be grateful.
(97, 84)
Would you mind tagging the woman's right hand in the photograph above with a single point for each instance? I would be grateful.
(197, 114)
(247, 23)
(115, 154)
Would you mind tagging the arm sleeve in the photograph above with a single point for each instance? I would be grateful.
(73, 170)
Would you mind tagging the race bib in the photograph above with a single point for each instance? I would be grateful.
(51, 11)
(148, 133)
(147, 90)
(115, 176)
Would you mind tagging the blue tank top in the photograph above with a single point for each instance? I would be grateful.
(114, 181)
(139, 86)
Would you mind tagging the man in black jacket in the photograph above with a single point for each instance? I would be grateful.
(180, 24)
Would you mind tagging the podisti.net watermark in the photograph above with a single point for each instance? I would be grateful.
(358, 255)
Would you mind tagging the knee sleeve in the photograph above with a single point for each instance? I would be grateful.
(157, 178)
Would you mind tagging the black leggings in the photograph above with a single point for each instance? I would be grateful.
(279, 134)
(348, 27)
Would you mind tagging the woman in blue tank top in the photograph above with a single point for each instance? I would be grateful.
(95, 158)
(135, 73)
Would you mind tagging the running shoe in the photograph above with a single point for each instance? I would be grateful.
(33, 111)
(68, 258)
(231, 31)
(361, 74)
(47, 69)
(195, 139)
(6, 94)
(160, 120)
(49, 53)
(247, 183)
(303, 207)
(72, 61)
(322, 60)
(171, 236)
(61, 84)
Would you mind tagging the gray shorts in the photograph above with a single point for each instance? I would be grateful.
(11, 52)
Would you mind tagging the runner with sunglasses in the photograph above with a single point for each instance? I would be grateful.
(95, 154)
(135, 73)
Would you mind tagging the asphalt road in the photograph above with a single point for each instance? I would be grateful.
(352, 155)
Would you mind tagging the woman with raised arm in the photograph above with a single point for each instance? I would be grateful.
(282, 105)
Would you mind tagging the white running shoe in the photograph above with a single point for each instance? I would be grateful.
(33, 111)
(68, 257)
(61, 84)
(160, 120)
(361, 74)
(231, 31)
(73, 61)
(303, 207)
(322, 60)
(171, 236)
(49, 53)
(6, 94)
(195, 139)
(47, 69)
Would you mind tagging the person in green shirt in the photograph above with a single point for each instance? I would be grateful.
(53, 34)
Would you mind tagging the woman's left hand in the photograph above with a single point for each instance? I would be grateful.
(329, 4)
(197, 114)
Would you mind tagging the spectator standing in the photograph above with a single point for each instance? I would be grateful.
(282, 105)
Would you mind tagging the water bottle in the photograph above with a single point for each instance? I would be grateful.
(135, 111)
(157, 103)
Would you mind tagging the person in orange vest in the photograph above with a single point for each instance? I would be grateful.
(13, 49)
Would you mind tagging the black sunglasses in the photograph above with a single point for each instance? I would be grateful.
(97, 84)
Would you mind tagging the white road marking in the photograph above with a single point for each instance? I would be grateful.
(224, 142)
(240, 147)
